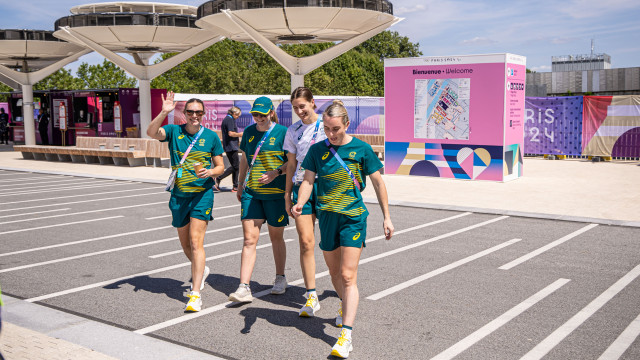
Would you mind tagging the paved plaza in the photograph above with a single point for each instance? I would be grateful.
(545, 266)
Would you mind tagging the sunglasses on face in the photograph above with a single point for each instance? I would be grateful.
(197, 112)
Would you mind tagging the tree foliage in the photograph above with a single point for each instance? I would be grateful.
(230, 67)
(59, 80)
(103, 76)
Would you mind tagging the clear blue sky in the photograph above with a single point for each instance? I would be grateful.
(536, 29)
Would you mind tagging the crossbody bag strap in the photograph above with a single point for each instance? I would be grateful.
(313, 141)
(335, 154)
(184, 157)
(255, 154)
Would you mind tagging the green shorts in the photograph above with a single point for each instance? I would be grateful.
(274, 211)
(197, 206)
(338, 230)
(310, 206)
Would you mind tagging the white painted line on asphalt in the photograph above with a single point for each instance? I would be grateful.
(84, 241)
(30, 186)
(145, 273)
(622, 343)
(545, 248)
(83, 212)
(213, 244)
(427, 241)
(429, 275)
(82, 201)
(55, 189)
(58, 225)
(318, 275)
(33, 213)
(28, 266)
(563, 331)
(214, 208)
(32, 178)
(486, 330)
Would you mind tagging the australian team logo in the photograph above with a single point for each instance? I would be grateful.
(352, 154)
(272, 141)
(325, 156)
(201, 142)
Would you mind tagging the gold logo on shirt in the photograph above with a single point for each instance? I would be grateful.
(356, 236)
(251, 139)
(281, 218)
(272, 141)
(352, 154)
(208, 211)
(325, 156)
(202, 141)
(181, 137)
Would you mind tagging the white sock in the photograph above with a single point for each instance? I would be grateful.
(347, 333)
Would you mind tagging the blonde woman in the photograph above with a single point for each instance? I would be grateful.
(341, 164)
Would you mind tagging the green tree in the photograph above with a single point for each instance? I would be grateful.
(60, 80)
(103, 76)
(231, 67)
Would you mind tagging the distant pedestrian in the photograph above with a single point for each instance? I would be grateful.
(341, 163)
(300, 136)
(230, 144)
(4, 127)
(43, 126)
(261, 195)
(193, 149)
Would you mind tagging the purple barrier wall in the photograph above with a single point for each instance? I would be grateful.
(553, 125)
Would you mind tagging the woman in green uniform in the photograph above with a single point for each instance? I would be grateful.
(341, 163)
(261, 194)
(191, 199)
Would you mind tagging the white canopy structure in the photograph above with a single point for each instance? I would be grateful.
(272, 22)
(140, 29)
(28, 56)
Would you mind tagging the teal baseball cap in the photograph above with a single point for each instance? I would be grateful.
(262, 105)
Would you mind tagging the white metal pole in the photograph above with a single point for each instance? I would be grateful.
(27, 115)
(145, 106)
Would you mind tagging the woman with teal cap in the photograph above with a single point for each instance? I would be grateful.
(261, 194)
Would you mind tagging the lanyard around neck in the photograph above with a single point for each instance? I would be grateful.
(255, 154)
(313, 141)
(184, 157)
(335, 154)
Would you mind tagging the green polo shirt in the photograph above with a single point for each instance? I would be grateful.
(207, 146)
(336, 191)
(271, 156)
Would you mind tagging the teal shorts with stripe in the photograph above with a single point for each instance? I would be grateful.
(338, 230)
(274, 211)
(310, 206)
(198, 206)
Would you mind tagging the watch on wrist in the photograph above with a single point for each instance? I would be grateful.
(279, 171)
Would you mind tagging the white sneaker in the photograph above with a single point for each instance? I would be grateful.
(279, 285)
(311, 307)
(339, 316)
(204, 277)
(195, 302)
(343, 346)
(243, 294)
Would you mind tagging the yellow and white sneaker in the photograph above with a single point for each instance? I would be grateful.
(195, 302)
(310, 307)
(339, 316)
(343, 346)
(204, 277)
